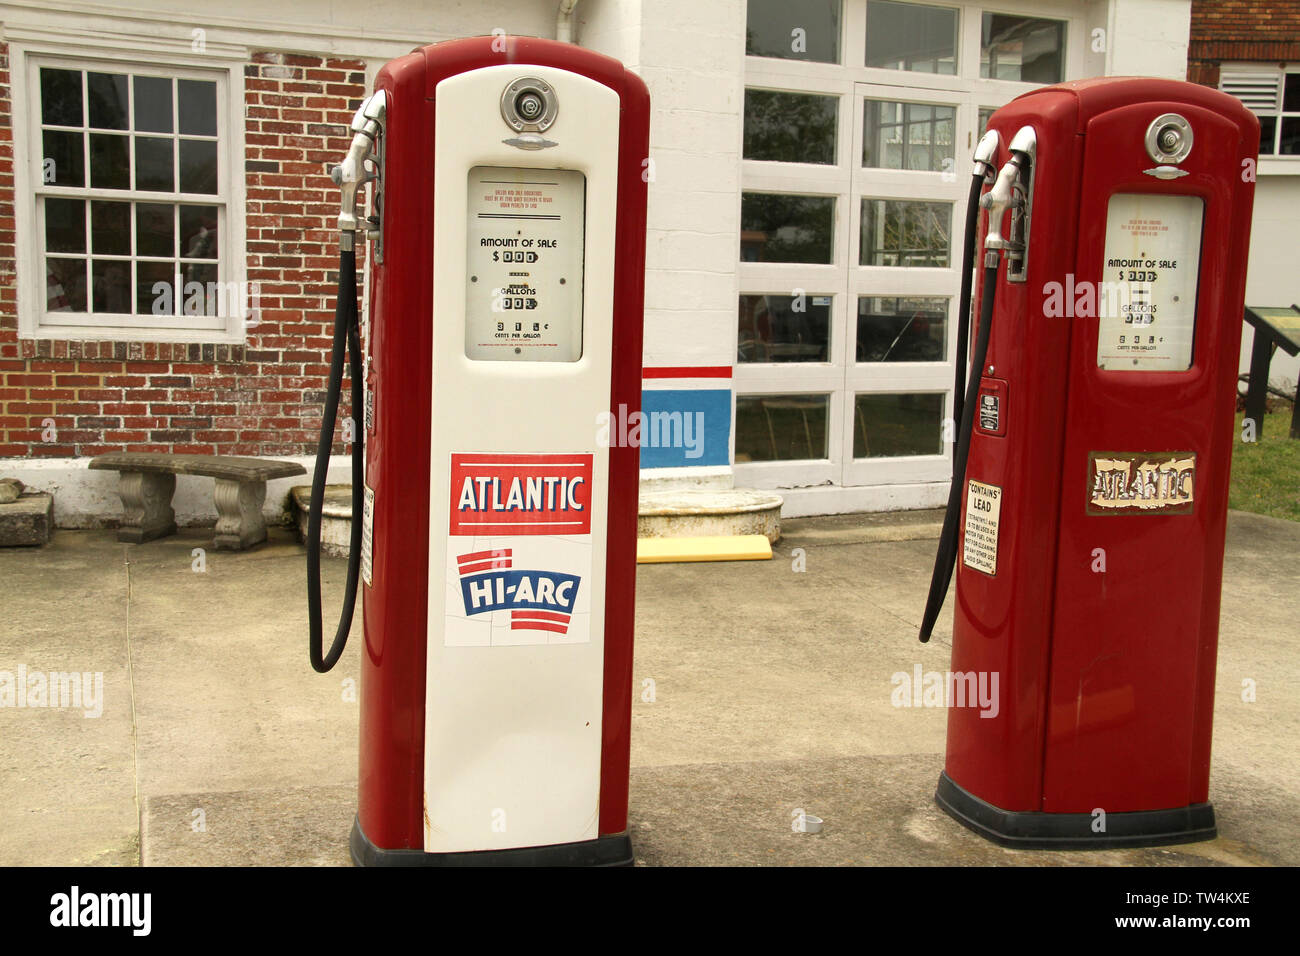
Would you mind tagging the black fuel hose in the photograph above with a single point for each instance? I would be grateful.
(346, 337)
(946, 558)
(963, 299)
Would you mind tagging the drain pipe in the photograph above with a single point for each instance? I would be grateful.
(564, 21)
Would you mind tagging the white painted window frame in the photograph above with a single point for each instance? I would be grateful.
(34, 322)
(844, 280)
(1272, 163)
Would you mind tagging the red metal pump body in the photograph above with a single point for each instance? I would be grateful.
(1100, 616)
(401, 322)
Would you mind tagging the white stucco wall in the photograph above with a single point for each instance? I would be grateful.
(611, 27)
(1148, 38)
(1272, 277)
(691, 56)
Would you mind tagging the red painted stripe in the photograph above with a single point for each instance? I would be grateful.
(687, 371)
(483, 555)
(540, 616)
(484, 566)
(505, 461)
(538, 626)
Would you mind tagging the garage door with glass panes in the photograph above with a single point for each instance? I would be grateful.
(859, 121)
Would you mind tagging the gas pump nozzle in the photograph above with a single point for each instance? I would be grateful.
(982, 173)
(351, 174)
(985, 150)
(1012, 189)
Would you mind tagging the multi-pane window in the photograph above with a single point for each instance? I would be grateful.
(893, 425)
(790, 127)
(1285, 126)
(129, 201)
(902, 329)
(808, 30)
(784, 328)
(1274, 95)
(903, 232)
(781, 427)
(846, 322)
(907, 135)
(911, 36)
(1023, 49)
(783, 228)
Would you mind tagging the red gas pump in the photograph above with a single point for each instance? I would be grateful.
(1090, 483)
(498, 548)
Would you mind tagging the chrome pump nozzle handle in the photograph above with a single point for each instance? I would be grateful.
(351, 174)
(982, 173)
(1011, 177)
(1008, 188)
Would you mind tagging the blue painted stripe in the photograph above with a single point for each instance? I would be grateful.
(685, 427)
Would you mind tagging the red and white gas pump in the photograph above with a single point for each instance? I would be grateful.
(498, 549)
(1090, 483)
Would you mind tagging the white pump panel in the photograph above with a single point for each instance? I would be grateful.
(519, 484)
(1147, 303)
(524, 297)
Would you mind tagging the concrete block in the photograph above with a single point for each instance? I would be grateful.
(707, 514)
(336, 517)
(28, 521)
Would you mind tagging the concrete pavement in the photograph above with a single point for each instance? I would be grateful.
(218, 744)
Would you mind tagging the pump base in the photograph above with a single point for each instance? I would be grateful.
(604, 851)
(1073, 831)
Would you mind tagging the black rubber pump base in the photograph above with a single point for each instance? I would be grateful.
(604, 851)
(1074, 831)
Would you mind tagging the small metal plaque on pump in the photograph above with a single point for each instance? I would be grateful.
(990, 410)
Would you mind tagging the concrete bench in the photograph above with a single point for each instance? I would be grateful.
(148, 481)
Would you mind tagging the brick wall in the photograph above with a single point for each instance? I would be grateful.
(1248, 30)
(261, 398)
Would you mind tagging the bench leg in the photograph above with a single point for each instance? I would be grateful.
(240, 523)
(146, 506)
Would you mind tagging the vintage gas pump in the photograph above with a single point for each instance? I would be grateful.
(1090, 482)
(497, 555)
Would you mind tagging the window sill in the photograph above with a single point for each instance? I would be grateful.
(1279, 166)
(133, 334)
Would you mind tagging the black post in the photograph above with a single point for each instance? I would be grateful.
(1295, 414)
(1261, 355)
